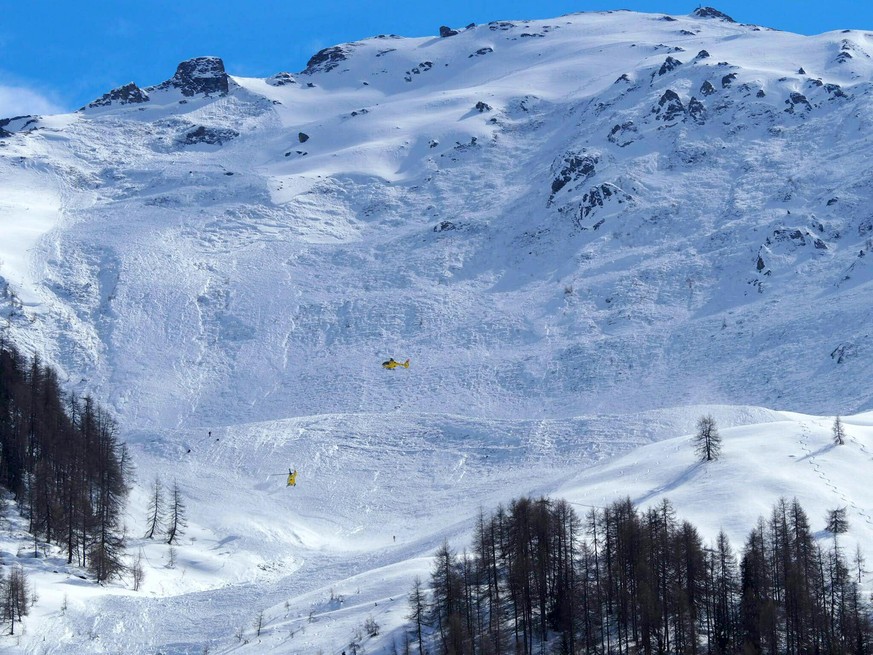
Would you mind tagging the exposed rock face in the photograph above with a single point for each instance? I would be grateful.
(670, 107)
(573, 167)
(209, 135)
(482, 107)
(129, 94)
(709, 12)
(669, 64)
(201, 75)
(447, 31)
(281, 79)
(797, 100)
(303, 137)
(623, 134)
(697, 111)
(326, 60)
(727, 80)
(596, 197)
(707, 88)
(481, 51)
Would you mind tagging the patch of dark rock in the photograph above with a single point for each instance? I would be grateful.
(697, 111)
(209, 135)
(703, 54)
(710, 12)
(795, 99)
(707, 88)
(800, 71)
(500, 25)
(686, 33)
(433, 143)
(597, 196)
(623, 135)
(281, 79)
(482, 107)
(326, 60)
(760, 93)
(385, 52)
(573, 167)
(303, 137)
(470, 26)
(669, 107)
(531, 35)
(446, 31)
(481, 51)
(727, 80)
(201, 75)
(128, 94)
(445, 226)
(670, 64)
(833, 201)
(360, 111)
(835, 90)
(622, 78)
(668, 19)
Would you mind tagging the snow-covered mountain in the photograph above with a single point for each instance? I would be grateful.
(570, 226)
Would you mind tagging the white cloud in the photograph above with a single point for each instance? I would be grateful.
(19, 100)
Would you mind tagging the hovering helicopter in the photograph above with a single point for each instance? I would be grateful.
(391, 364)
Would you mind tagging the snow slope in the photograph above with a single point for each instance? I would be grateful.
(584, 232)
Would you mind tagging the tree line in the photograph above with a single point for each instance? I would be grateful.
(539, 578)
(61, 459)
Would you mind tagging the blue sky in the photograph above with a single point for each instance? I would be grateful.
(58, 55)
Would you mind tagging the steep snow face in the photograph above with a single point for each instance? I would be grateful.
(596, 212)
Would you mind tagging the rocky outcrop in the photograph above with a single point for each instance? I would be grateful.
(327, 59)
(669, 108)
(624, 134)
(281, 79)
(709, 12)
(481, 51)
(446, 31)
(797, 100)
(696, 111)
(199, 76)
(572, 168)
(482, 107)
(597, 197)
(707, 88)
(129, 94)
(670, 64)
(209, 135)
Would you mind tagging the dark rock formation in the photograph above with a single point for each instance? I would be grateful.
(480, 52)
(703, 54)
(482, 107)
(797, 99)
(709, 12)
(303, 137)
(696, 111)
(201, 75)
(445, 226)
(670, 107)
(623, 135)
(128, 94)
(326, 60)
(209, 135)
(727, 80)
(281, 79)
(669, 64)
(573, 167)
(596, 197)
(447, 31)
(707, 88)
